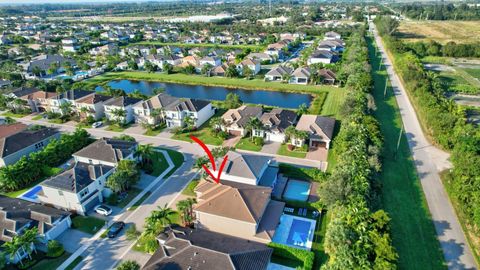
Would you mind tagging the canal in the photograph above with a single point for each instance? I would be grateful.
(270, 98)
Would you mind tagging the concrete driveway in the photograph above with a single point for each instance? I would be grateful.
(319, 154)
(135, 129)
(231, 141)
(72, 239)
(271, 148)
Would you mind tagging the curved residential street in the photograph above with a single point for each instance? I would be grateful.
(429, 162)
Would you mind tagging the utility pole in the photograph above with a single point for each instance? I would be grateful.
(385, 91)
(398, 142)
(270, 7)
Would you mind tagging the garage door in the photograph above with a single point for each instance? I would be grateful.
(94, 202)
(318, 144)
(235, 132)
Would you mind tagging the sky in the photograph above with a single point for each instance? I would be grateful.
(9, 2)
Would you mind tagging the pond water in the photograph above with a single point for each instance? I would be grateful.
(271, 98)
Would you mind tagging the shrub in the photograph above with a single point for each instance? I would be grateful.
(128, 265)
(132, 232)
(289, 253)
(112, 199)
(55, 249)
(258, 141)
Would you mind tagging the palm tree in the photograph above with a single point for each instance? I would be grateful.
(216, 123)
(28, 239)
(286, 77)
(66, 108)
(119, 115)
(144, 152)
(11, 248)
(254, 124)
(159, 218)
(157, 113)
(302, 109)
(189, 122)
(186, 209)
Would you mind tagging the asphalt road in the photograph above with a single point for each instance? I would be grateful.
(106, 253)
(429, 162)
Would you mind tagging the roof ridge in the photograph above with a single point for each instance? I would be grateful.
(246, 205)
(215, 196)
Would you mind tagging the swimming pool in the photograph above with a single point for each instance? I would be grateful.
(31, 195)
(297, 190)
(295, 232)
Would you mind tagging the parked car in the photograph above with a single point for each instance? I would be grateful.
(97, 124)
(103, 210)
(115, 229)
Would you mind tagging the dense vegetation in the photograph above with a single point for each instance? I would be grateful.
(441, 11)
(284, 251)
(445, 123)
(35, 166)
(357, 236)
(451, 49)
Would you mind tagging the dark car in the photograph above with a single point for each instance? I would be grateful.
(115, 229)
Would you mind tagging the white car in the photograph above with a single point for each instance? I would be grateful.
(97, 124)
(103, 210)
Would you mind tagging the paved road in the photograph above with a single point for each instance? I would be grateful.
(106, 253)
(429, 161)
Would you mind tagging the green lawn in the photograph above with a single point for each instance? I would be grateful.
(14, 115)
(317, 103)
(37, 117)
(203, 132)
(247, 144)
(74, 263)
(131, 194)
(474, 72)
(155, 131)
(177, 159)
(117, 128)
(189, 189)
(159, 164)
(49, 172)
(56, 121)
(51, 264)
(283, 150)
(413, 233)
(332, 104)
(87, 224)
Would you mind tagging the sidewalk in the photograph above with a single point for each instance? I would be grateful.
(124, 211)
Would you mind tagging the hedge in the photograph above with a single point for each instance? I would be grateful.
(290, 253)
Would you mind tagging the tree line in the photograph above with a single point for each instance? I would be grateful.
(450, 49)
(441, 12)
(358, 235)
(37, 165)
(446, 124)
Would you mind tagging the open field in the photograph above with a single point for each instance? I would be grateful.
(412, 229)
(441, 31)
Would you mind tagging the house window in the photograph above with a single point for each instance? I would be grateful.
(83, 193)
(257, 133)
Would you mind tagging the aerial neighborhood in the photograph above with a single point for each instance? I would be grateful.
(209, 135)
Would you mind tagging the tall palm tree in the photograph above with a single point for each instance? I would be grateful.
(66, 108)
(186, 209)
(12, 248)
(189, 122)
(144, 152)
(28, 239)
(254, 124)
(160, 218)
(157, 113)
(119, 115)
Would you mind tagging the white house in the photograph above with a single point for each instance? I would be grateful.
(123, 103)
(211, 60)
(319, 128)
(144, 110)
(332, 35)
(199, 110)
(253, 65)
(300, 75)
(91, 105)
(275, 123)
(235, 120)
(70, 45)
(321, 56)
(277, 73)
(70, 96)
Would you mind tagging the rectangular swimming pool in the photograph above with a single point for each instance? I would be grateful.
(297, 190)
(31, 195)
(295, 231)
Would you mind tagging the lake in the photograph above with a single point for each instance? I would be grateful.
(271, 98)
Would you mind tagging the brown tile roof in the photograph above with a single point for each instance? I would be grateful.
(316, 125)
(39, 94)
(236, 201)
(9, 129)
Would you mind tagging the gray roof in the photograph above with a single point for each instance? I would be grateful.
(279, 71)
(324, 54)
(18, 141)
(16, 213)
(301, 72)
(199, 249)
(75, 94)
(161, 100)
(44, 62)
(122, 101)
(78, 177)
(108, 150)
(245, 165)
(188, 104)
(23, 91)
(279, 119)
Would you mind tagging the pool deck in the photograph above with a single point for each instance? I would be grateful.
(277, 191)
(283, 231)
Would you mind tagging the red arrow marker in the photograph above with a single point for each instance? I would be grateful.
(212, 160)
